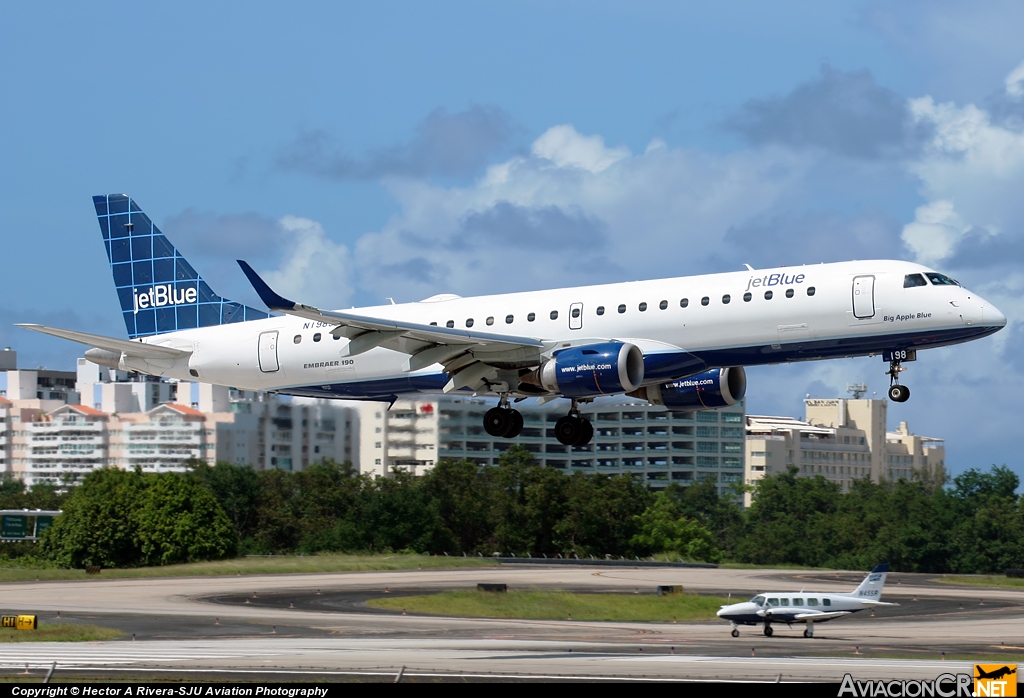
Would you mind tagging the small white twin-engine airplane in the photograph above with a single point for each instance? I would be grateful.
(808, 607)
(680, 342)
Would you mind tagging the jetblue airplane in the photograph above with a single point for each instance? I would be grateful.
(680, 342)
(808, 607)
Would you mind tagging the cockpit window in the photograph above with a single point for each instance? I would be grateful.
(911, 280)
(941, 279)
(759, 600)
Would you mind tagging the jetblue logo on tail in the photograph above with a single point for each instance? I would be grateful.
(159, 296)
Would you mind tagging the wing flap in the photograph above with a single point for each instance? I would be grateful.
(821, 616)
(140, 349)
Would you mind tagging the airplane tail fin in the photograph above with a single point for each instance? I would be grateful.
(158, 289)
(871, 587)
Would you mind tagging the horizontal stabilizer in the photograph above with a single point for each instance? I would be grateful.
(139, 349)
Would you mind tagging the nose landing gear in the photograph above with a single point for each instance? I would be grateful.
(897, 392)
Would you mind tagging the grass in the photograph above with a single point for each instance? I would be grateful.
(987, 580)
(60, 632)
(279, 564)
(558, 605)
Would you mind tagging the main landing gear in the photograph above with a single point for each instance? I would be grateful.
(897, 392)
(503, 420)
(572, 429)
(768, 630)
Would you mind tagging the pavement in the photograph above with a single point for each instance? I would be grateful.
(317, 626)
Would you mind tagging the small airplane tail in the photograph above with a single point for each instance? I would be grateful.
(871, 587)
(158, 289)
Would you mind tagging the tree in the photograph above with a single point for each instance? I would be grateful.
(119, 518)
(663, 528)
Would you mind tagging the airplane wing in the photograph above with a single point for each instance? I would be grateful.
(140, 349)
(820, 616)
(466, 354)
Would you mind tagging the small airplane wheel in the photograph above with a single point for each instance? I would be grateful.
(768, 630)
(899, 393)
(808, 633)
(735, 632)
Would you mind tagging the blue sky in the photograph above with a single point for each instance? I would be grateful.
(354, 152)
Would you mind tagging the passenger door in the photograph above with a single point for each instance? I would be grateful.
(576, 316)
(268, 352)
(863, 297)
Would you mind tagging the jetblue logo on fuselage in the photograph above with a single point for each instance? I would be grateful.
(160, 296)
(781, 279)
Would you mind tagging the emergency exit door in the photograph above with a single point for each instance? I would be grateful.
(268, 352)
(863, 296)
(576, 316)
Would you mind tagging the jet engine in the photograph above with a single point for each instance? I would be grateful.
(591, 370)
(719, 387)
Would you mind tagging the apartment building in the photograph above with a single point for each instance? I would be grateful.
(629, 437)
(842, 440)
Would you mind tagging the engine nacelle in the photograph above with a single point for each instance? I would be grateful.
(592, 370)
(719, 387)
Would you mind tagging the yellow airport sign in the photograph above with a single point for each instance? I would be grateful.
(22, 622)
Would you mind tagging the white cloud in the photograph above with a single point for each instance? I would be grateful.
(1015, 82)
(935, 232)
(662, 212)
(315, 269)
(566, 147)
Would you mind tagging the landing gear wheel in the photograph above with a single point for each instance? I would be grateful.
(498, 421)
(516, 425)
(568, 430)
(735, 632)
(808, 633)
(586, 433)
(899, 393)
(768, 630)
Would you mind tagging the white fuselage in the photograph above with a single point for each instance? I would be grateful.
(857, 308)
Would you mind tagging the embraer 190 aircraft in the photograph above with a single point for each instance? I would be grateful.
(808, 607)
(680, 342)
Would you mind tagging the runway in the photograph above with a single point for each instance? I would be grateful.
(299, 627)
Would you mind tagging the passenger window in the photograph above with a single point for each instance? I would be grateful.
(826, 602)
(575, 312)
(317, 337)
(663, 305)
(912, 280)
(338, 336)
(798, 602)
(434, 324)
(490, 320)
(450, 323)
(297, 339)
(705, 300)
(554, 314)
(469, 322)
(510, 318)
(784, 602)
(812, 602)
(726, 298)
(773, 602)
(643, 307)
(789, 293)
(767, 295)
(622, 308)
(684, 302)
(810, 290)
(747, 297)
(529, 318)
(600, 310)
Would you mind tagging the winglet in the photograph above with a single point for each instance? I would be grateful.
(266, 294)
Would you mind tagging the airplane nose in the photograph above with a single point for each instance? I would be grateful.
(990, 315)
